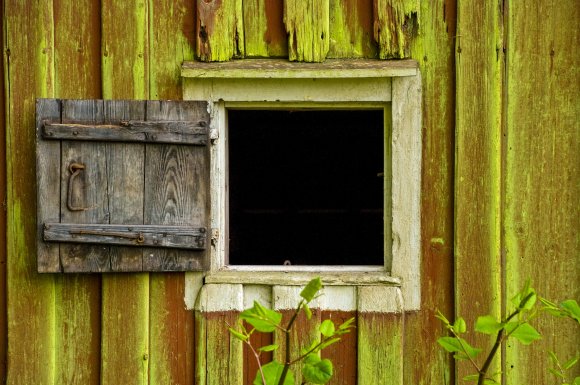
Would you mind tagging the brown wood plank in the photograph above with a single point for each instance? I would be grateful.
(48, 185)
(171, 347)
(479, 63)
(3, 227)
(87, 190)
(351, 29)
(433, 48)
(250, 364)
(125, 298)
(176, 195)
(542, 176)
(343, 354)
(264, 32)
(29, 73)
(77, 34)
(220, 31)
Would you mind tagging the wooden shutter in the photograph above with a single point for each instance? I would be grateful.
(122, 185)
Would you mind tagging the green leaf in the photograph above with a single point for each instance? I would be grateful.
(577, 381)
(328, 343)
(487, 324)
(263, 319)
(307, 310)
(347, 324)
(317, 371)
(454, 345)
(272, 373)
(556, 373)
(327, 328)
(572, 308)
(442, 318)
(459, 326)
(238, 335)
(268, 348)
(471, 377)
(526, 298)
(571, 362)
(525, 333)
(311, 289)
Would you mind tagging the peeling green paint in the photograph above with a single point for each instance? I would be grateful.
(307, 24)
(220, 30)
(396, 23)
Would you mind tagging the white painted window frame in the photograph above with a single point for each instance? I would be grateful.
(336, 84)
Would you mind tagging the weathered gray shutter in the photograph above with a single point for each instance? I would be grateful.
(122, 185)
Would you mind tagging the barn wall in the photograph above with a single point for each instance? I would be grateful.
(499, 183)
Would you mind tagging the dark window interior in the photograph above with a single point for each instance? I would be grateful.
(305, 187)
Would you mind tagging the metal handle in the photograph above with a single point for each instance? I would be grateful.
(75, 169)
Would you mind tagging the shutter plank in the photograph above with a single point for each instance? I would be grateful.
(89, 188)
(125, 162)
(48, 187)
(176, 191)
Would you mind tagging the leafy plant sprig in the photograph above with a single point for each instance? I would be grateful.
(314, 370)
(515, 325)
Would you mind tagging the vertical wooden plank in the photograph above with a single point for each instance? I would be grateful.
(3, 200)
(424, 361)
(89, 188)
(125, 181)
(478, 261)
(542, 159)
(125, 298)
(48, 160)
(220, 31)
(78, 297)
(395, 24)
(264, 33)
(380, 335)
(304, 331)
(176, 195)
(171, 345)
(307, 24)
(351, 29)
(220, 356)
(29, 73)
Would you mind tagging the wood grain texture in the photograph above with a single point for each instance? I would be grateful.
(78, 297)
(351, 29)
(176, 188)
(479, 65)
(395, 25)
(48, 185)
(264, 33)
(343, 354)
(29, 73)
(220, 30)
(3, 199)
(172, 347)
(542, 159)
(307, 24)
(425, 362)
(88, 190)
(125, 299)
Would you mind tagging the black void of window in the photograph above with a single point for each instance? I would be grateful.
(305, 187)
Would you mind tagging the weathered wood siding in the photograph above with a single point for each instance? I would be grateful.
(499, 193)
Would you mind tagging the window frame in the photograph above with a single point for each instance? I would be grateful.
(394, 87)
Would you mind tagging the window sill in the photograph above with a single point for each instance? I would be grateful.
(301, 275)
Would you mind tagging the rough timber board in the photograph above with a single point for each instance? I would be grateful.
(280, 68)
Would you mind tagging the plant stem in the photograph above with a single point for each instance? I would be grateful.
(257, 356)
(287, 357)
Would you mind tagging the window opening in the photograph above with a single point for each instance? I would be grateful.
(306, 187)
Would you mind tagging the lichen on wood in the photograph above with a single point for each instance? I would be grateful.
(307, 24)
(396, 22)
(220, 31)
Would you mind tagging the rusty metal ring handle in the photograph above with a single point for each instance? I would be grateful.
(75, 169)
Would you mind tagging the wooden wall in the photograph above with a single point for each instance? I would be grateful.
(500, 166)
